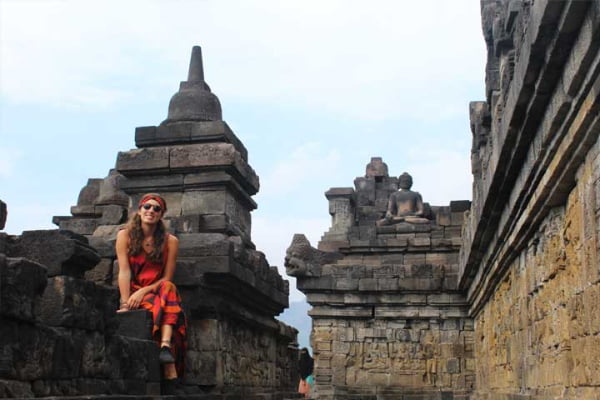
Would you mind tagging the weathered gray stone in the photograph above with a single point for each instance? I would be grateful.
(135, 324)
(194, 100)
(3, 214)
(22, 282)
(61, 252)
(153, 160)
(82, 226)
(113, 215)
(70, 302)
(110, 192)
(15, 389)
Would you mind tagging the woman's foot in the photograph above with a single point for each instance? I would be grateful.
(171, 387)
(165, 356)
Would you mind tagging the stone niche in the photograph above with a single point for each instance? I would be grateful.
(388, 318)
(230, 292)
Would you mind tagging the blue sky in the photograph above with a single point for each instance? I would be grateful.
(314, 89)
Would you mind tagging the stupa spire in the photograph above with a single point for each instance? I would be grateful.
(194, 100)
(196, 72)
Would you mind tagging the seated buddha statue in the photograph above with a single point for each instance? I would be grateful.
(404, 205)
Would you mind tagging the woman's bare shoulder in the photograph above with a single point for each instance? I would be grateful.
(123, 234)
(172, 239)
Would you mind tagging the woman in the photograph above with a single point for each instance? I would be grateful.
(147, 256)
(305, 368)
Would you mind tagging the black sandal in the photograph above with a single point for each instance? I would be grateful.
(165, 356)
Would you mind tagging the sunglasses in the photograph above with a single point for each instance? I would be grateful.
(148, 206)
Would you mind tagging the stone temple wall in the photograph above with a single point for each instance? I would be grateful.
(529, 263)
(388, 319)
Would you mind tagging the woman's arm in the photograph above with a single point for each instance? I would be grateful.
(124, 278)
(173, 246)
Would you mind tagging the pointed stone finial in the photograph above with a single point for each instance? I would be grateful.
(196, 73)
(376, 168)
(194, 100)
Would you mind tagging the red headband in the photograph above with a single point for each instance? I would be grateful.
(154, 197)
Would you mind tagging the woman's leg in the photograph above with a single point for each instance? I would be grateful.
(166, 333)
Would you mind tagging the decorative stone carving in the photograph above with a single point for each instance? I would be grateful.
(304, 260)
(404, 206)
(194, 101)
(376, 168)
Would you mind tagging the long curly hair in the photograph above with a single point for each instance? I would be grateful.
(136, 237)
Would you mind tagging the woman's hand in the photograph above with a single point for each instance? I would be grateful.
(136, 299)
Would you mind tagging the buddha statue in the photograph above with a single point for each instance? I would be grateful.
(404, 205)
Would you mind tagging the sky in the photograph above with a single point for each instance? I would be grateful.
(313, 89)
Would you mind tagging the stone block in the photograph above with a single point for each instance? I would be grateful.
(414, 258)
(428, 284)
(82, 226)
(27, 351)
(22, 282)
(458, 218)
(443, 216)
(460, 205)
(62, 252)
(135, 324)
(109, 234)
(211, 155)
(145, 135)
(420, 242)
(102, 273)
(3, 214)
(15, 389)
(4, 241)
(387, 284)
(191, 271)
(346, 284)
(113, 214)
(203, 368)
(105, 246)
(153, 160)
(367, 284)
(452, 232)
(133, 359)
(322, 283)
(204, 244)
(204, 335)
(90, 192)
(156, 183)
(71, 302)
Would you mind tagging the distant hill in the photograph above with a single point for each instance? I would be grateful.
(297, 316)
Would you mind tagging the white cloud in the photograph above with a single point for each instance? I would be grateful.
(305, 163)
(8, 161)
(387, 59)
(440, 174)
(273, 234)
(27, 216)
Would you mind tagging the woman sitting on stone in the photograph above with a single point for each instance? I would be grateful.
(147, 255)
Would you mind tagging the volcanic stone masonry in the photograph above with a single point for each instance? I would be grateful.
(491, 300)
(515, 316)
(529, 262)
(58, 290)
(388, 318)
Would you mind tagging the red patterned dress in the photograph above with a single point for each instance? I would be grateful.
(164, 302)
